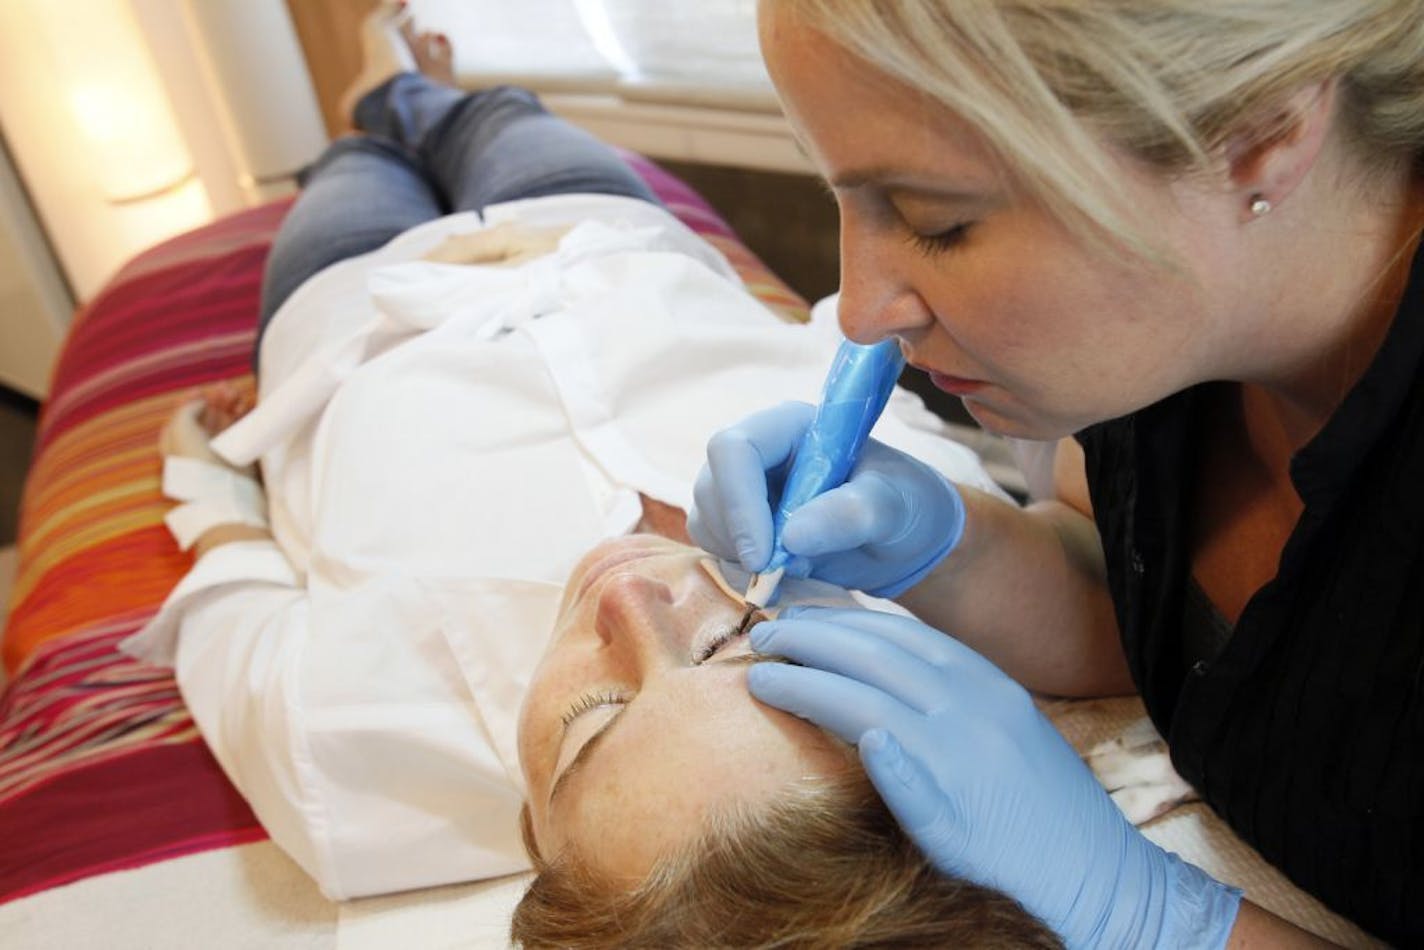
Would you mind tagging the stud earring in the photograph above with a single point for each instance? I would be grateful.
(1259, 205)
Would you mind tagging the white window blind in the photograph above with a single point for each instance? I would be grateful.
(697, 48)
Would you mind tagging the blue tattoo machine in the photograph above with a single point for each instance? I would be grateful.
(857, 388)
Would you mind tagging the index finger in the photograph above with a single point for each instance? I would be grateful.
(739, 459)
(845, 707)
(909, 634)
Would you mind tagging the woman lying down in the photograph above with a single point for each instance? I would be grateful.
(445, 623)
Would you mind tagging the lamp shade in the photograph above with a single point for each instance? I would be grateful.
(115, 98)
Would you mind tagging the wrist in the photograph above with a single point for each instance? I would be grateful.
(948, 519)
(218, 535)
(976, 513)
(1160, 901)
(1200, 910)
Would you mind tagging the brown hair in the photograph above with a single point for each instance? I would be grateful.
(824, 866)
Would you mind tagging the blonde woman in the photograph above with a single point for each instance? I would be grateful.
(1180, 238)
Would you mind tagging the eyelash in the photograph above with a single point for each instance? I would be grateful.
(609, 698)
(933, 244)
(715, 644)
(590, 701)
(930, 245)
(719, 641)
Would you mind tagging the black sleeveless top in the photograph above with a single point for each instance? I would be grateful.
(1303, 727)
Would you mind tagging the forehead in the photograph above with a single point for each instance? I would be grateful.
(859, 123)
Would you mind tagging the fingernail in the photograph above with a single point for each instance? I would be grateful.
(790, 613)
(760, 634)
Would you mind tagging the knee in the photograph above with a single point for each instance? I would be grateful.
(356, 148)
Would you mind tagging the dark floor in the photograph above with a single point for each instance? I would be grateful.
(790, 221)
(17, 437)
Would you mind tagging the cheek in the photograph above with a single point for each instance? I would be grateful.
(539, 716)
(998, 314)
(1040, 314)
(531, 727)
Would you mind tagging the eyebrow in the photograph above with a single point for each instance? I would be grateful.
(893, 178)
(581, 758)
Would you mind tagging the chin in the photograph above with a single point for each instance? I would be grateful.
(1018, 425)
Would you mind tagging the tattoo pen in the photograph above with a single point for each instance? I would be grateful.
(857, 387)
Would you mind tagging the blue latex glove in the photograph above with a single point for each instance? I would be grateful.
(893, 520)
(982, 782)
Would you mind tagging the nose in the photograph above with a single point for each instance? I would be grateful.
(634, 610)
(878, 297)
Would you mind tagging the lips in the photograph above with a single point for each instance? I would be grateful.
(954, 385)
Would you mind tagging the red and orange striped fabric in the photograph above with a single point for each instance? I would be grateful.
(100, 765)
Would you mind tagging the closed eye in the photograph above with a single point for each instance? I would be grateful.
(931, 245)
(726, 636)
(709, 649)
(590, 701)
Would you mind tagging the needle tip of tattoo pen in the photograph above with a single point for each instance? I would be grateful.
(763, 586)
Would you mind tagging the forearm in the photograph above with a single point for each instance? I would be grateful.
(1026, 587)
(1257, 927)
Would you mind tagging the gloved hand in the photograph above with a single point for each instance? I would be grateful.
(893, 520)
(981, 781)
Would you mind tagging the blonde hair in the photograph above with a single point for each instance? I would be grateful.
(1172, 83)
(825, 866)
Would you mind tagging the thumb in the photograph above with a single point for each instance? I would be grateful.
(922, 808)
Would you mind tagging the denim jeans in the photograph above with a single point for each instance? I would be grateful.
(429, 150)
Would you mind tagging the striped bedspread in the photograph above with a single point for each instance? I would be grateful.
(101, 767)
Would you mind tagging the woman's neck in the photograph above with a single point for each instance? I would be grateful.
(1339, 313)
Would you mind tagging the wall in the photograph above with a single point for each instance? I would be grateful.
(63, 171)
(207, 101)
(34, 301)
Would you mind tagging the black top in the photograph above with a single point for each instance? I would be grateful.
(1304, 726)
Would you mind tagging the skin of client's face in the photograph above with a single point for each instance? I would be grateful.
(641, 674)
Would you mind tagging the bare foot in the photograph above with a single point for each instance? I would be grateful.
(432, 51)
(390, 44)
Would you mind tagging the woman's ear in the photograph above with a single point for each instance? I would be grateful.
(1271, 157)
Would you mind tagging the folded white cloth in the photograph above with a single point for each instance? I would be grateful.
(213, 495)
